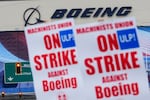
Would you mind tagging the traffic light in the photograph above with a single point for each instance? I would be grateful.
(3, 94)
(18, 68)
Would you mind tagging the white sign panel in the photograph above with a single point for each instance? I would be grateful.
(111, 61)
(52, 53)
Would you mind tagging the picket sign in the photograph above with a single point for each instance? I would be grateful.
(95, 61)
(111, 60)
(52, 53)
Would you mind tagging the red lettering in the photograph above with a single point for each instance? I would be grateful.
(112, 38)
(41, 29)
(73, 56)
(108, 60)
(125, 61)
(66, 59)
(91, 69)
(107, 92)
(107, 43)
(117, 90)
(63, 25)
(51, 85)
(102, 43)
(114, 78)
(111, 63)
(58, 84)
(62, 83)
(52, 41)
(45, 60)
(94, 28)
(124, 24)
(98, 90)
(38, 65)
(45, 85)
(57, 73)
(117, 63)
(134, 60)
(98, 62)
(57, 59)
(37, 60)
(52, 59)
(29, 31)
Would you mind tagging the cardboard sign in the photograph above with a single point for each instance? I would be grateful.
(52, 53)
(111, 61)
